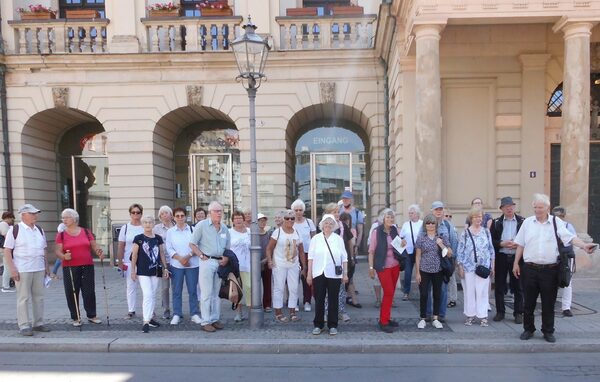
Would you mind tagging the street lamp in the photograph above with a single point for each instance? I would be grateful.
(251, 52)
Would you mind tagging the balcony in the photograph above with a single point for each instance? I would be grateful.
(190, 34)
(327, 32)
(60, 36)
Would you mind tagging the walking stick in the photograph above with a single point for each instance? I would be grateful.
(75, 297)
(105, 292)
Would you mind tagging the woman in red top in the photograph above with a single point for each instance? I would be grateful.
(74, 247)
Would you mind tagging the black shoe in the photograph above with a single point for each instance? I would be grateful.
(386, 328)
(154, 324)
(393, 323)
(526, 335)
(451, 304)
(146, 328)
(567, 313)
(499, 317)
(519, 318)
(549, 337)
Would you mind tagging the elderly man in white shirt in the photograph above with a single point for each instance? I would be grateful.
(537, 244)
(25, 257)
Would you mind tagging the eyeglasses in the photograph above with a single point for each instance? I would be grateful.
(299, 210)
(430, 223)
(448, 216)
(179, 216)
(288, 218)
(136, 212)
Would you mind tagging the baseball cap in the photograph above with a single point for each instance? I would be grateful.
(437, 204)
(347, 195)
(28, 208)
(260, 216)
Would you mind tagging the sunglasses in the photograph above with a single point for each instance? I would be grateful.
(430, 223)
(288, 218)
(136, 212)
(448, 216)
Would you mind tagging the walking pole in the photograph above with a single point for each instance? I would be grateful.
(105, 292)
(75, 297)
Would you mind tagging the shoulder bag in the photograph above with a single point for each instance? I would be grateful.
(338, 268)
(480, 270)
(447, 265)
(565, 255)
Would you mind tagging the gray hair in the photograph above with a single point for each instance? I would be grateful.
(165, 209)
(541, 198)
(429, 218)
(69, 212)
(559, 211)
(384, 213)
(415, 208)
(214, 204)
(330, 208)
(280, 213)
(288, 213)
(298, 203)
(148, 219)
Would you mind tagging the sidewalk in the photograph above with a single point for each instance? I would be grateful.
(360, 335)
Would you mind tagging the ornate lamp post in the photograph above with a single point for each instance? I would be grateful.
(251, 53)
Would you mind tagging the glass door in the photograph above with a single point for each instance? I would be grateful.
(91, 198)
(212, 179)
(331, 173)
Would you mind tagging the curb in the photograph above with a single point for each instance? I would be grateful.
(314, 346)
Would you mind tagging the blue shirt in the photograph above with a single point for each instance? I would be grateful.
(210, 241)
(449, 234)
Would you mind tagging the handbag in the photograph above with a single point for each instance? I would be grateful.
(338, 268)
(565, 255)
(231, 289)
(447, 265)
(480, 270)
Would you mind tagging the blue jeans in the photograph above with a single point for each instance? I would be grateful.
(443, 301)
(57, 264)
(407, 276)
(191, 282)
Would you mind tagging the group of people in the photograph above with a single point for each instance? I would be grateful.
(295, 252)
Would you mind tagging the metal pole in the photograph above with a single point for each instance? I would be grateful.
(256, 312)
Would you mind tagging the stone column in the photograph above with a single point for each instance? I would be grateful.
(428, 115)
(575, 133)
(533, 112)
(406, 140)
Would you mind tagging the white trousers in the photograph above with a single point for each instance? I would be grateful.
(280, 276)
(30, 288)
(567, 293)
(149, 285)
(475, 291)
(131, 289)
(210, 283)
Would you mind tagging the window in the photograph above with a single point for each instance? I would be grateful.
(79, 4)
(555, 102)
(190, 9)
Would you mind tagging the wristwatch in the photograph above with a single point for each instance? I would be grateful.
(371, 268)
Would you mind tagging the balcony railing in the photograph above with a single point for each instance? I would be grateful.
(193, 34)
(60, 36)
(327, 32)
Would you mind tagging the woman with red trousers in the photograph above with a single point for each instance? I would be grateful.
(382, 259)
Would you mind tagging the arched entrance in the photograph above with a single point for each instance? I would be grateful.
(207, 167)
(331, 157)
(64, 164)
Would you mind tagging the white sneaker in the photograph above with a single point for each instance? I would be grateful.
(307, 307)
(238, 317)
(196, 319)
(421, 324)
(175, 320)
(345, 317)
(436, 324)
(8, 290)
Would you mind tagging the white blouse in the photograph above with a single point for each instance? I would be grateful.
(319, 254)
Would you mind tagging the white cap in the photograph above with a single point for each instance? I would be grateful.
(28, 208)
(260, 216)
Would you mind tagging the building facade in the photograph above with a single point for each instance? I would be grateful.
(400, 101)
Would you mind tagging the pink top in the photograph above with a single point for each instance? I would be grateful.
(79, 246)
(390, 260)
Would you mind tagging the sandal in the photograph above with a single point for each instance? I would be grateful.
(281, 318)
(294, 317)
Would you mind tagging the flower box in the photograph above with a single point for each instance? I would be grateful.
(308, 11)
(164, 13)
(348, 10)
(82, 14)
(216, 12)
(37, 15)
